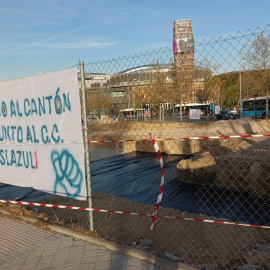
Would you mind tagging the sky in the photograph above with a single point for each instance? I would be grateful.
(47, 35)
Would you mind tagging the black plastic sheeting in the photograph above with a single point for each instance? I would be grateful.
(137, 177)
(26, 194)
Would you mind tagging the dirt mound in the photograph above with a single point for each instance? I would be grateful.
(237, 164)
(236, 127)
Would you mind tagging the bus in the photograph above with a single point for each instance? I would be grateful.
(131, 114)
(256, 107)
(205, 107)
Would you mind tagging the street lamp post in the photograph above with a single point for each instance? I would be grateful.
(240, 77)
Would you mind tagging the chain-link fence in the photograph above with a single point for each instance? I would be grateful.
(225, 178)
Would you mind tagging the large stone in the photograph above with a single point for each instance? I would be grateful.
(228, 172)
(197, 170)
(249, 267)
(171, 256)
(144, 243)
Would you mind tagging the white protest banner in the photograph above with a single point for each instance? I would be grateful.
(38, 115)
(195, 114)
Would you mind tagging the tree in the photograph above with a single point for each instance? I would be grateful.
(157, 90)
(159, 85)
(98, 101)
(229, 91)
(257, 59)
(206, 71)
(181, 85)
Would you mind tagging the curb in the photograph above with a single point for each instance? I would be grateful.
(133, 252)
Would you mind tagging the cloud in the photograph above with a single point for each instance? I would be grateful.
(154, 13)
(30, 49)
(84, 44)
(19, 52)
(13, 11)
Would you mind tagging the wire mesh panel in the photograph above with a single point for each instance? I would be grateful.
(212, 130)
(224, 179)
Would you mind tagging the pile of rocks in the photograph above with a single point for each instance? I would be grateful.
(236, 164)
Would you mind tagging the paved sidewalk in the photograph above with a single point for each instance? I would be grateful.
(25, 247)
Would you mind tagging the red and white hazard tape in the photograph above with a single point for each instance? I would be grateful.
(217, 222)
(186, 138)
(130, 213)
(145, 140)
(256, 150)
(159, 199)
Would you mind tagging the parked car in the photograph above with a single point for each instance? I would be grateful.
(232, 114)
(228, 115)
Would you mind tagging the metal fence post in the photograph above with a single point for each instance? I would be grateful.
(87, 154)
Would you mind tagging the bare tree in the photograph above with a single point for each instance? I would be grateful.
(181, 85)
(206, 72)
(159, 84)
(257, 59)
(157, 92)
(98, 101)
